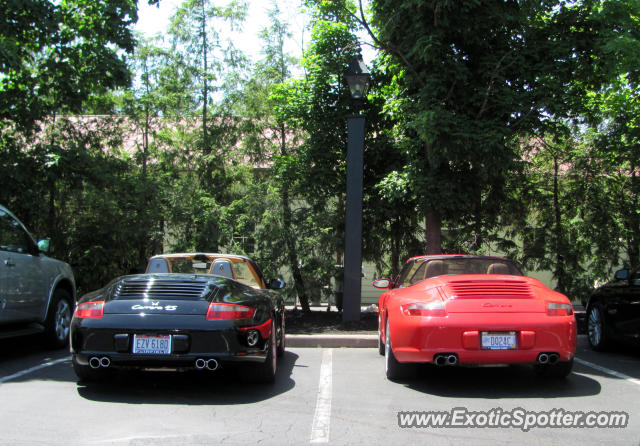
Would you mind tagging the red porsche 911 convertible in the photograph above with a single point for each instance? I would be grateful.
(453, 310)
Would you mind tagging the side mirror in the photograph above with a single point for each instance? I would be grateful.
(382, 284)
(276, 284)
(44, 245)
(621, 274)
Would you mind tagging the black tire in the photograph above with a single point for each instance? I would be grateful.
(597, 328)
(380, 341)
(266, 372)
(86, 374)
(282, 337)
(394, 369)
(559, 370)
(58, 322)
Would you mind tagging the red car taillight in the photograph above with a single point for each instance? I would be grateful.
(90, 310)
(435, 309)
(558, 309)
(219, 311)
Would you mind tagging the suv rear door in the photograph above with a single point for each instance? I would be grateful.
(23, 286)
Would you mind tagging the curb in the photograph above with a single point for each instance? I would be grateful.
(332, 341)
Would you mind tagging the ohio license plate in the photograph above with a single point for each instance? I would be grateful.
(499, 340)
(152, 345)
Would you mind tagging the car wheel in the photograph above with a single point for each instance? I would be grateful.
(86, 374)
(381, 343)
(58, 322)
(394, 369)
(266, 372)
(282, 336)
(561, 369)
(596, 328)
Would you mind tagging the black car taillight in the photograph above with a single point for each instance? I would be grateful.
(90, 310)
(225, 311)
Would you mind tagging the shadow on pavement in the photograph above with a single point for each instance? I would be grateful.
(22, 346)
(222, 387)
(29, 354)
(622, 358)
(498, 382)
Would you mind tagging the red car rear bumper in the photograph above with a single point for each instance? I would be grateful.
(419, 339)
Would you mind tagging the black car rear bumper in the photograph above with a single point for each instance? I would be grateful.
(173, 361)
(224, 341)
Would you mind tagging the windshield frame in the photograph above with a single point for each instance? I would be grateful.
(422, 268)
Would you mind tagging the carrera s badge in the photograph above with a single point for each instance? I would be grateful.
(155, 306)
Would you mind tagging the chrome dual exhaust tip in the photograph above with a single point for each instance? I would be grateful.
(209, 364)
(443, 359)
(96, 363)
(548, 358)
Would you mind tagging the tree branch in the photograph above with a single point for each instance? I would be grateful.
(492, 80)
(388, 48)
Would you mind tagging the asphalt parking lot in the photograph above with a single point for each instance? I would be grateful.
(321, 396)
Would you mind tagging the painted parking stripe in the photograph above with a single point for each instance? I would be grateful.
(33, 369)
(322, 416)
(608, 371)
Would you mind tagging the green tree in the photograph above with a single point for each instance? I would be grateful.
(471, 77)
(543, 224)
(610, 161)
(391, 231)
(210, 65)
(54, 55)
(269, 137)
(99, 226)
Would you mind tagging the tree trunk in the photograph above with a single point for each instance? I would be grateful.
(143, 241)
(433, 222)
(290, 241)
(292, 254)
(559, 245)
(395, 247)
(52, 225)
(205, 90)
(633, 240)
(433, 219)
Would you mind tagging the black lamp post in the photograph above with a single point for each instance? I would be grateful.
(358, 77)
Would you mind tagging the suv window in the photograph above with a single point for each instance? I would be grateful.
(12, 237)
(635, 277)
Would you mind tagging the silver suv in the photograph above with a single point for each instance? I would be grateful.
(37, 293)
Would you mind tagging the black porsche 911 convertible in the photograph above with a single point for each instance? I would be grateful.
(178, 321)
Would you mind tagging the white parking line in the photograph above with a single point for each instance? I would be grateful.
(33, 369)
(322, 416)
(608, 371)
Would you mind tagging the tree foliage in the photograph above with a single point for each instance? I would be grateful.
(54, 55)
(507, 125)
(472, 76)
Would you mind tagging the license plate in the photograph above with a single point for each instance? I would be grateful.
(499, 340)
(151, 345)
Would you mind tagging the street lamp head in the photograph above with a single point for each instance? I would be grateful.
(358, 78)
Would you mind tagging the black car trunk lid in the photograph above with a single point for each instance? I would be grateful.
(156, 295)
